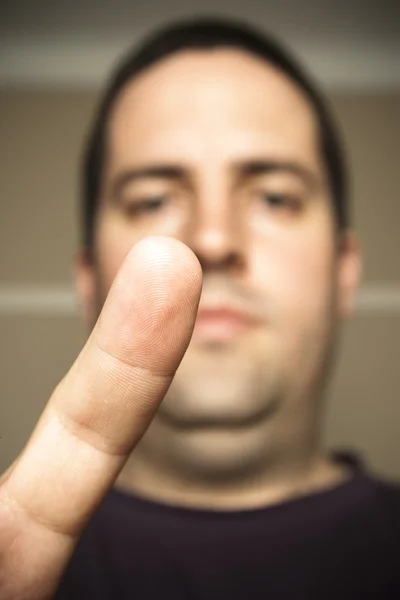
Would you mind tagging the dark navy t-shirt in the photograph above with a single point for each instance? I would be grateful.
(342, 543)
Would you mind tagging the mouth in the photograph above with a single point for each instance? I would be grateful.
(221, 324)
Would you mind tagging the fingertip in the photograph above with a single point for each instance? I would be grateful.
(167, 255)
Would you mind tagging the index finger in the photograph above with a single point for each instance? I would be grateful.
(104, 404)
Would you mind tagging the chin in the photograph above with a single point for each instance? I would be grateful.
(216, 408)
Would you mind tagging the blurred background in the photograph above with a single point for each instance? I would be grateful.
(54, 58)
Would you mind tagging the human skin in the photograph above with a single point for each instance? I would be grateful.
(240, 424)
(95, 416)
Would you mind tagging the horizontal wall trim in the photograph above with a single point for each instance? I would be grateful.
(65, 61)
(38, 300)
(47, 300)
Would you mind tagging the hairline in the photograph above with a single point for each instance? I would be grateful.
(113, 106)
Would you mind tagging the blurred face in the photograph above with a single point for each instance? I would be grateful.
(220, 150)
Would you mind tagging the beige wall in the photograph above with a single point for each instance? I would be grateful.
(41, 136)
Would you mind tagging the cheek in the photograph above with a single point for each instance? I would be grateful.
(113, 244)
(295, 269)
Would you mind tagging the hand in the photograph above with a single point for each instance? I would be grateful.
(96, 415)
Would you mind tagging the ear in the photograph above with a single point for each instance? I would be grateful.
(349, 272)
(85, 285)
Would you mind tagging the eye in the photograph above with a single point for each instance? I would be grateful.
(149, 205)
(280, 201)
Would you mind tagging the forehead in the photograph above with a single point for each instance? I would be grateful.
(218, 103)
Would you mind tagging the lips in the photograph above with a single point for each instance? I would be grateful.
(221, 323)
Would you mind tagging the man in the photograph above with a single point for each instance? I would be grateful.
(211, 149)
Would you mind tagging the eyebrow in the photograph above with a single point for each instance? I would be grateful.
(244, 170)
(254, 168)
(169, 172)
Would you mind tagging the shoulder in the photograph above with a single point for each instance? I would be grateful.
(386, 495)
(383, 493)
(389, 494)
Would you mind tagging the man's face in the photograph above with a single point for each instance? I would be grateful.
(220, 150)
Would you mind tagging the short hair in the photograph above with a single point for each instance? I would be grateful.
(203, 34)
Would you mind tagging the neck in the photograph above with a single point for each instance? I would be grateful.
(183, 473)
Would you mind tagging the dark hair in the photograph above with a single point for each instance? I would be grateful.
(208, 34)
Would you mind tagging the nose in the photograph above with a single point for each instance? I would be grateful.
(217, 237)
